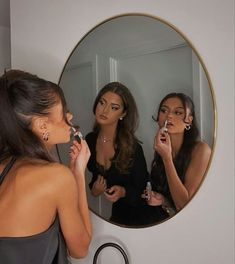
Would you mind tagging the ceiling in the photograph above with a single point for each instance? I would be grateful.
(4, 13)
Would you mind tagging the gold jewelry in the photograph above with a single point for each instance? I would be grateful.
(187, 127)
(169, 210)
(104, 139)
(45, 136)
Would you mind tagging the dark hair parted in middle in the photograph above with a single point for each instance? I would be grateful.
(125, 140)
(183, 157)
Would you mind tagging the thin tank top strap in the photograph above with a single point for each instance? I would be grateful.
(7, 168)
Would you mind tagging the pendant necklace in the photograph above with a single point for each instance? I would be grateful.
(104, 139)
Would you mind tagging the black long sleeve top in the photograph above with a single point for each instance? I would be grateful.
(131, 209)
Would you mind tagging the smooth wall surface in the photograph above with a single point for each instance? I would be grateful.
(5, 53)
(43, 34)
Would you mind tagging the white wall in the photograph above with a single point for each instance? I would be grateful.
(43, 35)
(5, 50)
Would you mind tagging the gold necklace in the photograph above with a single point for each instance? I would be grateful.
(104, 139)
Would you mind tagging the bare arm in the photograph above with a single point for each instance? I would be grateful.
(181, 193)
(79, 157)
(72, 203)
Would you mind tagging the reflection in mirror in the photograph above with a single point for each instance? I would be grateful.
(152, 59)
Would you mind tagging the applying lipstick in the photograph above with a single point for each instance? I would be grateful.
(77, 134)
(165, 130)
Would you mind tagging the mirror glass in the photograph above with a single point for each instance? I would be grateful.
(152, 59)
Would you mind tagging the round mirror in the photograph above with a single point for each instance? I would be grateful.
(149, 56)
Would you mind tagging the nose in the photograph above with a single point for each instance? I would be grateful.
(169, 115)
(106, 109)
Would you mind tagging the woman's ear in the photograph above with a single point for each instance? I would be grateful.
(123, 115)
(40, 127)
(190, 118)
(39, 124)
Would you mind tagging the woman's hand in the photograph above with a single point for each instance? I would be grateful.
(162, 144)
(99, 186)
(115, 193)
(155, 199)
(79, 156)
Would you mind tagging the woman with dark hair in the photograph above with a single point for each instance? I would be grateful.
(117, 161)
(180, 160)
(43, 204)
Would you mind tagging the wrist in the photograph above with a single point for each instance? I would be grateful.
(167, 159)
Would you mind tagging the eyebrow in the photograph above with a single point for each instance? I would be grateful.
(113, 104)
(178, 107)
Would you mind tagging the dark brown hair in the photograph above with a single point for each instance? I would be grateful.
(183, 157)
(24, 95)
(125, 141)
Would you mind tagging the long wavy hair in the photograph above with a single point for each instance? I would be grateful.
(23, 96)
(183, 157)
(125, 141)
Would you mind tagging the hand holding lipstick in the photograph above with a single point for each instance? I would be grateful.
(165, 130)
(162, 142)
(77, 135)
(79, 156)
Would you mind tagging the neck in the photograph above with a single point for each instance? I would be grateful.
(176, 143)
(107, 133)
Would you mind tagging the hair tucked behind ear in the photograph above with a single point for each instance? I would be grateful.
(125, 141)
(22, 96)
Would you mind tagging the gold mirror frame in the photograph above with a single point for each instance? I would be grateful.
(158, 19)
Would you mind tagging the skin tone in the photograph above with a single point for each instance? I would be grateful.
(34, 191)
(108, 112)
(168, 145)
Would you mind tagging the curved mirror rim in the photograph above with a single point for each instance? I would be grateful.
(209, 84)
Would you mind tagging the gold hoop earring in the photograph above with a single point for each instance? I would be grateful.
(45, 136)
(187, 127)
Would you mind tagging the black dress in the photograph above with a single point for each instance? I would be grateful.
(130, 210)
(47, 247)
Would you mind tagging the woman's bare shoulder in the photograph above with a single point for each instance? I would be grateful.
(201, 148)
(45, 171)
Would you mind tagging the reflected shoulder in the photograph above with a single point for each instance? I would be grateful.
(201, 148)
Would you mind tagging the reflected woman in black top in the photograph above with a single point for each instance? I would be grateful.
(181, 159)
(117, 161)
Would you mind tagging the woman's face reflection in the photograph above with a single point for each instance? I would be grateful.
(109, 109)
(152, 59)
(172, 111)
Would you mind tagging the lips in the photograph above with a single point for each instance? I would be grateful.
(169, 124)
(103, 117)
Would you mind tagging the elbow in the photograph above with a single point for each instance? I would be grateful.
(80, 252)
(180, 205)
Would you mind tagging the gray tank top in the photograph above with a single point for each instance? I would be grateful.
(47, 247)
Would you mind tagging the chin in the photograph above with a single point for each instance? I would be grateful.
(101, 122)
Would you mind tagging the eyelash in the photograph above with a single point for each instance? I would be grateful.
(176, 112)
(115, 108)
